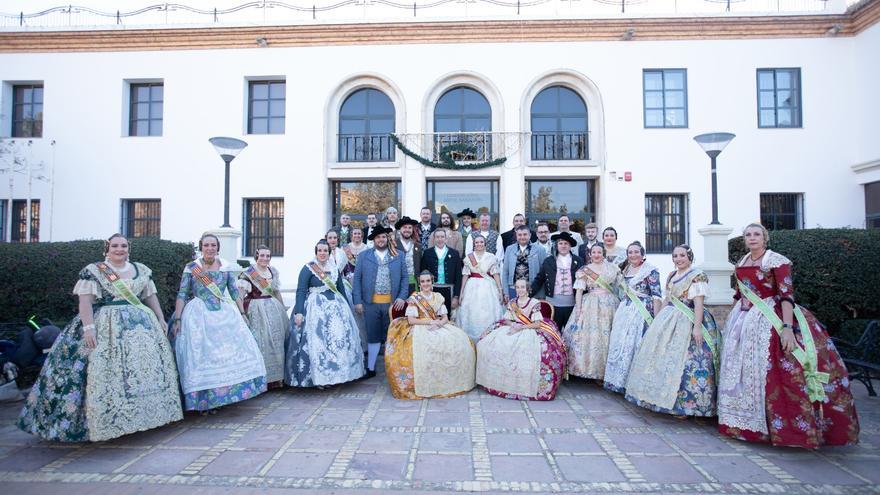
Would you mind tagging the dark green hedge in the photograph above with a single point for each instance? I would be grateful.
(836, 272)
(39, 277)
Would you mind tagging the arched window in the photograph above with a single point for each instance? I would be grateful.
(559, 125)
(366, 118)
(463, 116)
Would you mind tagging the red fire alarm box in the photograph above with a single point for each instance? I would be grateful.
(628, 176)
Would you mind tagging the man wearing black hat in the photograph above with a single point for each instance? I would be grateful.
(410, 248)
(379, 278)
(466, 222)
(557, 278)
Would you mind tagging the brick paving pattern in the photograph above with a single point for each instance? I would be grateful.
(357, 438)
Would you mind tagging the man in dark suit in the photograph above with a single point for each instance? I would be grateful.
(566, 264)
(368, 228)
(407, 245)
(509, 238)
(447, 274)
(380, 280)
(426, 227)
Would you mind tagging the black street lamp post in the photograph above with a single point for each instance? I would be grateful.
(713, 143)
(228, 148)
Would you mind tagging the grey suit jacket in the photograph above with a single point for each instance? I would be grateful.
(536, 257)
(366, 270)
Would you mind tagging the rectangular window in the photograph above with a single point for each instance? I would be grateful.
(872, 205)
(546, 200)
(266, 100)
(141, 218)
(454, 196)
(665, 222)
(264, 224)
(779, 98)
(360, 198)
(19, 220)
(27, 110)
(665, 97)
(146, 109)
(782, 211)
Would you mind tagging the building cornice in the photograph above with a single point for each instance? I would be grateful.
(860, 168)
(501, 31)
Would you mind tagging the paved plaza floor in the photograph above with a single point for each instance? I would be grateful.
(357, 438)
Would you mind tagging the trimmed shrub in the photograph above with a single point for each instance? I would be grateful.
(836, 272)
(39, 277)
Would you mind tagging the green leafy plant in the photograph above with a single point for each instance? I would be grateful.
(446, 156)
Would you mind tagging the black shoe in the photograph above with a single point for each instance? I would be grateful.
(368, 374)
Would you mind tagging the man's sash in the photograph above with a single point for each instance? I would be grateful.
(807, 355)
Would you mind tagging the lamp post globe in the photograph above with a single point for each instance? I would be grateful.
(228, 148)
(713, 144)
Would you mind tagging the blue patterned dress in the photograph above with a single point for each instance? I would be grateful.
(670, 374)
(219, 361)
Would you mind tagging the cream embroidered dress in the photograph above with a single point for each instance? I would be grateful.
(423, 363)
(128, 383)
(670, 374)
(268, 319)
(480, 305)
(587, 334)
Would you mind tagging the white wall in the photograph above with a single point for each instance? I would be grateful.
(205, 96)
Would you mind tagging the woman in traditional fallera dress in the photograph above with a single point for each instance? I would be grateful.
(589, 328)
(111, 370)
(481, 293)
(337, 257)
(782, 380)
(352, 250)
(522, 357)
(674, 369)
(265, 311)
(324, 345)
(613, 253)
(425, 355)
(641, 301)
(219, 360)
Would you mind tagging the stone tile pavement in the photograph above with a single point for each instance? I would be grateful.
(357, 438)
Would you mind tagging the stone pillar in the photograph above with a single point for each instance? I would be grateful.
(716, 265)
(228, 237)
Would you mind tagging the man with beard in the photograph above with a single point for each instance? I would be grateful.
(466, 223)
(592, 231)
(509, 238)
(379, 278)
(411, 248)
(543, 233)
(426, 227)
(522, 261)
(453, 237)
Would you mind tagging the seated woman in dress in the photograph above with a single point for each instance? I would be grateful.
(674, 369)
(481, 293)
(589, 328)
(219, 361)
(324, 347)
(641, 302)
(523, 356)
(111, 371)
(782, 380)
(265, 311)
(425, 355)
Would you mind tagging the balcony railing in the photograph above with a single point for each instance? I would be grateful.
(365, 148)
(560, 146)
(474, 146)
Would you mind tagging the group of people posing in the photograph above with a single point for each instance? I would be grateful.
(514, 312)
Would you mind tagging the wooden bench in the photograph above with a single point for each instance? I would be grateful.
(861, 357)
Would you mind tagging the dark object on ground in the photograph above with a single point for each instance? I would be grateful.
(859, 356)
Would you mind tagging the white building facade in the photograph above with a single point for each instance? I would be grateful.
(595, 118)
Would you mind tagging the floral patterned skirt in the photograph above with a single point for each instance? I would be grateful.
(549, 367)
(792, 420)
(128, 383)
(203, 400)
(449, 361)
(587, 337)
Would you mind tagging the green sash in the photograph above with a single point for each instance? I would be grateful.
(646, 315)
(806, 356)
(202, 276)
(687, 311)
(323, 277)
(601, 283)
(124, 290)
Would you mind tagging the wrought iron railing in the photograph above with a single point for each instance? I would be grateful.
(560, 146)
(365, 148)
(463, 146)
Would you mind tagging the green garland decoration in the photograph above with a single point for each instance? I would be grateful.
(445, 156)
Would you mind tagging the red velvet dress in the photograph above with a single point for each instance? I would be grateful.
(752, 348)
